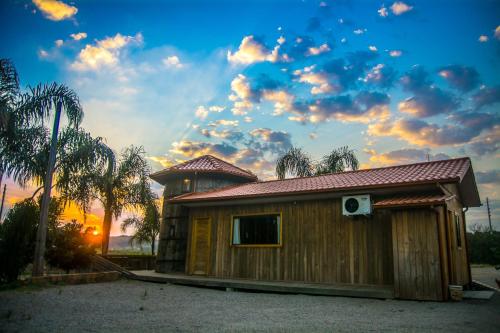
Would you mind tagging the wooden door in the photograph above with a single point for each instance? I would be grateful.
(200, 246)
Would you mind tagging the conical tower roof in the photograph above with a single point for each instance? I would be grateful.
(204, 164)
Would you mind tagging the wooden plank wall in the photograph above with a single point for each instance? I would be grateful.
(319, 245)
(417, 266)
(458, 255)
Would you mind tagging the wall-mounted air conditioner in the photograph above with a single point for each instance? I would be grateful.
(356, 205)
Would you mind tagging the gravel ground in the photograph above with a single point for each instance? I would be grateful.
(486, 275)
(132, 306)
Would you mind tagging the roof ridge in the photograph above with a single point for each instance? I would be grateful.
(231, 164)
(366, 170)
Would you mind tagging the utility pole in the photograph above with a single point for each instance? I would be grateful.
(3, 201)
(489, 213)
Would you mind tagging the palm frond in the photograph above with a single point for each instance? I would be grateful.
(338, 160)
(40, 100)
(9, 90)
(294, 162)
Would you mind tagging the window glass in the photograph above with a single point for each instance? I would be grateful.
(256, 230)
(458, 231)
(186, 185)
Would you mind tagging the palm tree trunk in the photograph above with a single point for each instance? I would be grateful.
(153, 246)
(41, 236)
(106, 229)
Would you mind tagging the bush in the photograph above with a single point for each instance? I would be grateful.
(17, 239)
(68, 248)
(484, 246)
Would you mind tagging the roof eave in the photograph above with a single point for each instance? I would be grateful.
(185, 199)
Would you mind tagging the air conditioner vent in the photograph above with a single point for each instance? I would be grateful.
(356, 205)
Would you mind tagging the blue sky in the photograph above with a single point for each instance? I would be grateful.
(398, 81)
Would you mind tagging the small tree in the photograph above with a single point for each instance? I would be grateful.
(146, 227)
(297, 163)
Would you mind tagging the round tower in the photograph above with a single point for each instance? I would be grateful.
(198, 175)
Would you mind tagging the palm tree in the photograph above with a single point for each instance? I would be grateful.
(147, 227)
(297, 163)
(118, 186)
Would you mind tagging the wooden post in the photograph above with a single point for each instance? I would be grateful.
(41, 236)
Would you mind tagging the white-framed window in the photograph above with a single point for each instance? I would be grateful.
(256, 230)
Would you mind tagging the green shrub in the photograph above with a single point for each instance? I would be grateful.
(484, 246)
(66, 245)
(67, 248)
(17, 239)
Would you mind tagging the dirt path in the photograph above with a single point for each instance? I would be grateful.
(486, 275)
(132, 306)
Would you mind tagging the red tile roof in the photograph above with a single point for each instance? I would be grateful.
(452, 170)
(410, 200)
(204, 164)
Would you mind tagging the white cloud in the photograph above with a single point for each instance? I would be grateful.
(318, 50)
(216, 108)
(383, 12)
(201, 112)
(318, 80)
(173, 62)
(79, 36)
(59, 42)
(55, 10)
(360, 31)
(251, 51)
(395, 53)
(483, 38)
(105, 52)
(224, 122)
(241, 95)
(497, 32)
(43, 54)
(372, 48)
(399, 8)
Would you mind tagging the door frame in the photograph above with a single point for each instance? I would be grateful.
(193, 245)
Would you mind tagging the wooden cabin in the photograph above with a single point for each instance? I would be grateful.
(400, 227)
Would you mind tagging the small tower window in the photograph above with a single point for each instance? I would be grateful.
(186, 185)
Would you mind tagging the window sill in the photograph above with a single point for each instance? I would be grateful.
(257, 245)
